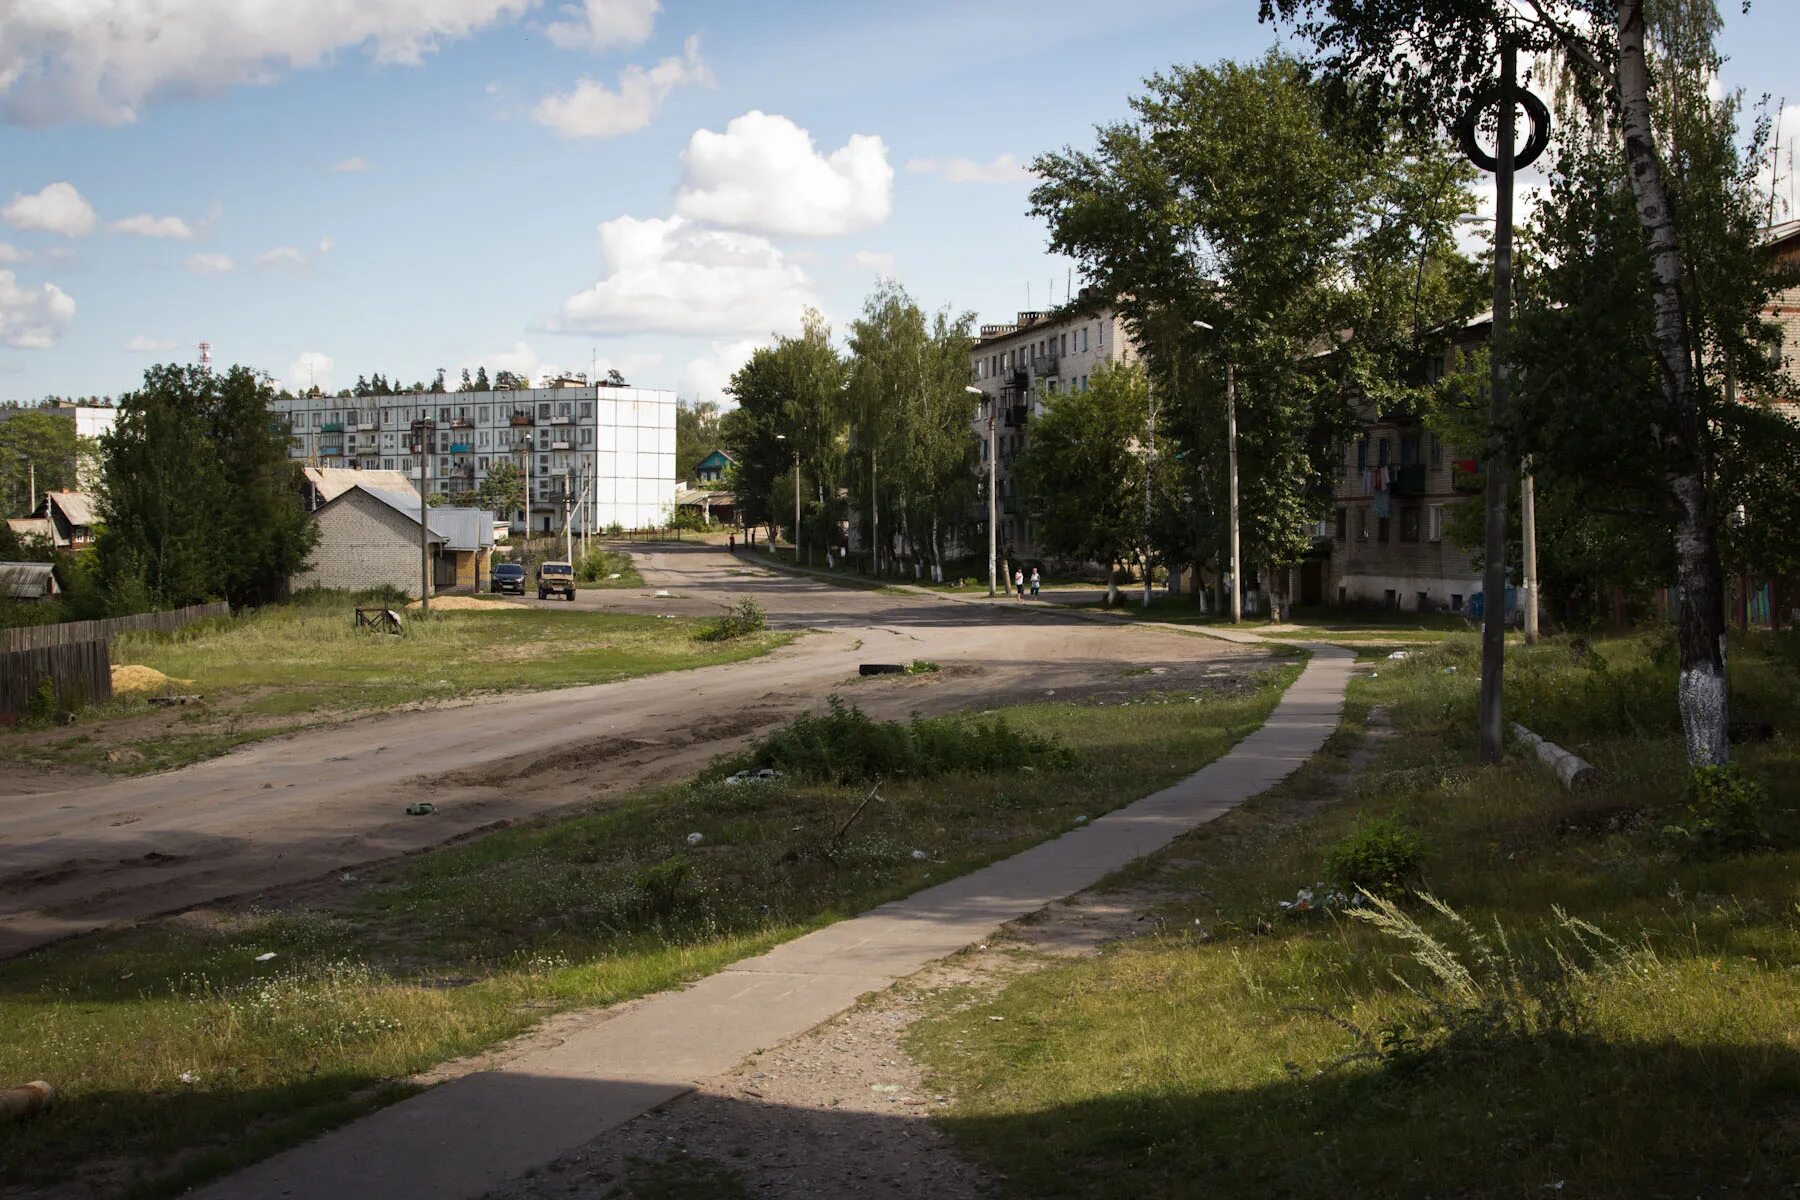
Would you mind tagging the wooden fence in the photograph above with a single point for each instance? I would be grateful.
(76, 656)
(43, 637)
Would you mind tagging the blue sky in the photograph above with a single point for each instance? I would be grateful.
(343, 187)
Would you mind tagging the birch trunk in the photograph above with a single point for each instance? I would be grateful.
(1701, 627)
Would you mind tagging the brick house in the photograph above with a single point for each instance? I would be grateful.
(369, 538)
(1386, 532)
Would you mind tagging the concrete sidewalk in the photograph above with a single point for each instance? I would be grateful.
(465, 1137)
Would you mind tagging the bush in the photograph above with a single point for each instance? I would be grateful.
(1725, 812)
(743, 618)
(844, 745)
(1378, 857)
(598, 566)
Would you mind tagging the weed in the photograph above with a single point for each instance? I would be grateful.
(921, 666)
(1379, 856)
(1725, 812)
(844, 745)
(740, 620)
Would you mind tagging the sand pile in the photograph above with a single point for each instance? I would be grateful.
(464, 604)
(130, 678)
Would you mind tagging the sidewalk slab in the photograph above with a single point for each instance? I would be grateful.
(463, 1138)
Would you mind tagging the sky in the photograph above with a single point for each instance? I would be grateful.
(340, 187)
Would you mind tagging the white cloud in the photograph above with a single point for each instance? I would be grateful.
(671, 276)
(492, 89)
(310, 369)
(879, 261)
(32, 318)
(103, 60)
(524, 362)
(593, 110)
(210, 264)
(143, 344)
(10, 253)
(597, 24)
(281, 256)
(764, 174)
(706, 377)
(59, 208)
(355, 162)
(1005, 168)
(145, 225)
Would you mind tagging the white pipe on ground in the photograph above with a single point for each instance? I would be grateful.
(1575, 774)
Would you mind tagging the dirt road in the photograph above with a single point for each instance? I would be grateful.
(290, 810)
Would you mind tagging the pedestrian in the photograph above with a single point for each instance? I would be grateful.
(1019, 582)
(1034, 583)
(731, 541)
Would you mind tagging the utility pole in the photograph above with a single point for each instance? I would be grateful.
(1149, 462)
(796, 503)
(1528, 523)
(423, 433)
(990, 403)
(1237, 579)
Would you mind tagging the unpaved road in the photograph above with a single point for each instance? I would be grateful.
(294, 809)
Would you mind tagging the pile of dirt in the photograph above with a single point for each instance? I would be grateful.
(464, 604)
(131, 679)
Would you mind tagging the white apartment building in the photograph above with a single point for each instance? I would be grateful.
(1019, 367)
(610, 450)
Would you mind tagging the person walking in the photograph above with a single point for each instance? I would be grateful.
(1019, 582)
(1034, 583)
(731, 541)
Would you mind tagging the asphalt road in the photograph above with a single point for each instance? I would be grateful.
(299, 810)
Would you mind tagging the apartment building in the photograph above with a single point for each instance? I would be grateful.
(1019, 367)
(1397, 485)
(606, 455)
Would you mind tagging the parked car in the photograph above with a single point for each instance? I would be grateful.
(556, 577)
(507, 577)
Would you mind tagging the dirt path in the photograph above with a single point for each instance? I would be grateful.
(290, 810)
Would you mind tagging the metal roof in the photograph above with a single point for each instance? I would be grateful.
(457, 528)
(27, 581)
(333, 482)
(77, 507)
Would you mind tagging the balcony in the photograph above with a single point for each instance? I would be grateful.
(562, 445)
(461, 423)
(520, 418)
(1047, 364)
(1015, 415)
(461, 448)
(332, 427)
(1409, 480)
(366, 426)
(564, 419)
(331, 451)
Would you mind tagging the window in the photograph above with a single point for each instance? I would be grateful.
(1362, 524)
(1064, 343)
(1362, 454)
(1409, 523)
(1343, 520)
(463, 412)
(443, 464)
(1434, 524)
(1381, 453)
(587, 408)
(318, 418)
(1437, 451)
(1409, 449)
(564, 409)
(543, 465)
(587, 436)
(481, 414)
(1455, 601)
(1381, 529)
(443, 414)
(481, 464)
(543, 412)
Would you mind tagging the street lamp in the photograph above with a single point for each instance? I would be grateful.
(993, 555)
(1237, 586)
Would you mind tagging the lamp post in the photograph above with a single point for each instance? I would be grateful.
(1237, 586)
(782, 437)
(993, 545)
(423, 434)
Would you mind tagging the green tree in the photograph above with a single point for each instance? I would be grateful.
(1427, 59)
(502, 490)
(40, 441)
(1082, 472)
(198, 493)
(696, 433)
(481, 380)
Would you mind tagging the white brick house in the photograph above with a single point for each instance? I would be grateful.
(365, 541)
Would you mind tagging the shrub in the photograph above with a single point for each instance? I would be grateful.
(741, 619)
(40, 706)
(1378, 857)
(844, 745)
(1725, 812)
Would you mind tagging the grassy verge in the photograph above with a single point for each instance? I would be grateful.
(288, 666)
(1250, 1051)
(180, 1054)
(608, 569)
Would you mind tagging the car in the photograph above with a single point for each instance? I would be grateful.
(507, 577)
(556, 577)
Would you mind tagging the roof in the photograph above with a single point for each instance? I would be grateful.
(39, 527)
(1776, 234)
(457, 528)
(724, 460)
(77, 507)
(703, 496)
(333, 482)
(27, 581)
